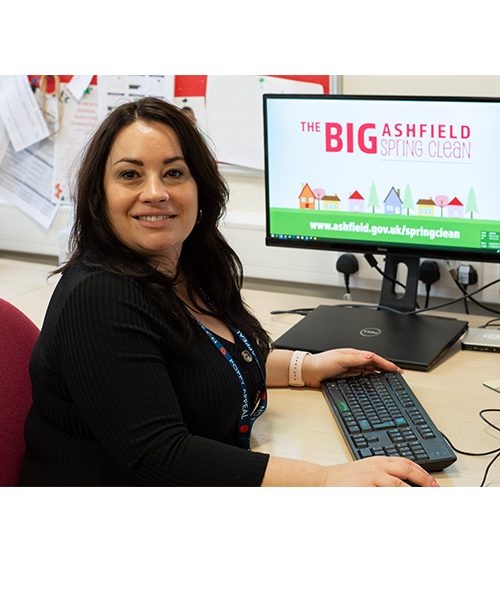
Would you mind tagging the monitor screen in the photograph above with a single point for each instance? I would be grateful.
(384, 175)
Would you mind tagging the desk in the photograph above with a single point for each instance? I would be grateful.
(299, 424)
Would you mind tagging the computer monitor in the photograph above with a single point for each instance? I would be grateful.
(407, 177)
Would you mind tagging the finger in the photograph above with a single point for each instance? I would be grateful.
(411, 474)
(369, 356)
(369, 362)
(379, 363)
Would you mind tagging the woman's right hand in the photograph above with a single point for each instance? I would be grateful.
(375, 471)
(378, 471)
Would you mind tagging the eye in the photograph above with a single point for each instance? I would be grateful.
(174, 173)
(128, 175)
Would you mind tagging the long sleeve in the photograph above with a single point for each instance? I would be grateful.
(126, 395)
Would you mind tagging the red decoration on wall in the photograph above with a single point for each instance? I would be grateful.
(50, 81)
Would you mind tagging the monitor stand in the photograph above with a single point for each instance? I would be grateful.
(388, 297)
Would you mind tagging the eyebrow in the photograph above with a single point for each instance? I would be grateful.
(139, 163)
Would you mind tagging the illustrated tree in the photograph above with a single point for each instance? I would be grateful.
(471, 203)
(373, 198)
(319, 194)
(441, 201)
(407, 200)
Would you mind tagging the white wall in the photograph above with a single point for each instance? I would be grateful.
(245, 225)
(21, 233)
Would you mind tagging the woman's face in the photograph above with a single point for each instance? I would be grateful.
(152, 198)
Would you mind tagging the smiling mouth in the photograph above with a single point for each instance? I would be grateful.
(154, 218)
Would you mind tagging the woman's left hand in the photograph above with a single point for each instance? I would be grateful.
(344, 362)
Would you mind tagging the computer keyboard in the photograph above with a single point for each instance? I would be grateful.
(379, 415)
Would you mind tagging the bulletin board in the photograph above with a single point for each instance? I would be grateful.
(228, 110)
(36, 175)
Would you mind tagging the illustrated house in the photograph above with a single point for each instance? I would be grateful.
(356, 202)
(307, 198)
(392, 203)
(426, 208)
(456, 209)
(331, 202)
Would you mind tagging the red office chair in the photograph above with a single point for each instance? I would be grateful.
(17, 337)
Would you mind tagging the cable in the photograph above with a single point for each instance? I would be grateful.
(428, 274)
(488, 324)
(486, 420)
(293, 311)
(487, 470)
(464, 291)
(420, 310)
(490, 464)
(455, 276)
(469, 453)
(413, 312)
(372, 261)
(466, 275)
(348, 265)
(453, 301)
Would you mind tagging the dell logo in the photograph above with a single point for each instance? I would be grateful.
(370, 332)
(492, 336)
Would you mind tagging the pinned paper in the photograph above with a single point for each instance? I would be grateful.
(26, 180)
(26, 176)
(235, 114)
(78, 85)
(20, 113)
(113, 90)
(78, 123)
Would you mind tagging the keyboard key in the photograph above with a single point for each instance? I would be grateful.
(343, 407)
(420, 454)
(360, 442)
(386, 425)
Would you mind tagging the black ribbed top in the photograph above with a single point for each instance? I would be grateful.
(120, 398)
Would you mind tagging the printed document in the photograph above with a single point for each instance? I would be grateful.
(26, 180)
(20, 113)
(113, 90)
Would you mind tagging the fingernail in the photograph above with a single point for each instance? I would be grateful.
(369, 355)
(435, 484)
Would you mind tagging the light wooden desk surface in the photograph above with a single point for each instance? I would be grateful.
(298, 422)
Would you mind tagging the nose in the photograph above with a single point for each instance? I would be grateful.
(154, 190)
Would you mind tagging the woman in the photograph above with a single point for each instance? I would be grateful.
(137, 376)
